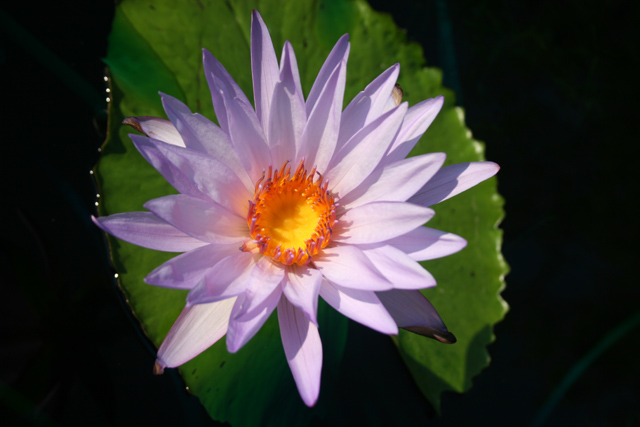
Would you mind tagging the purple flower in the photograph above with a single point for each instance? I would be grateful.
(293, 200)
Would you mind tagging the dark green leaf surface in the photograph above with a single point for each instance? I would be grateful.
(156, 46)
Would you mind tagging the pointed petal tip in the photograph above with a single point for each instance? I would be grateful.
(310, 401)
(489, 168)
(256, 17)
(232, 346)
(158, 369)
(97, 221)
(445, 337)
(463, 243)
(134, 123)
(193, 297)
(436, 103)
(439, 156)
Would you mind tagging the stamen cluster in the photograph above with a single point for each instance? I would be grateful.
(291, 217)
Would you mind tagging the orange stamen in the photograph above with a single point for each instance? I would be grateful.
(291, 217)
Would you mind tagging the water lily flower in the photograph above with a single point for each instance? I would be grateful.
(292, 200)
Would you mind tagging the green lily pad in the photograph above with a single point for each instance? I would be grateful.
(156, 46)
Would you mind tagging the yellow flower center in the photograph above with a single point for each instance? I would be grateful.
(291, 216)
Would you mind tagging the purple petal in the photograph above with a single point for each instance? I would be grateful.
(243, 328)
(154, 127)
(186, 270)
(362, 153)
(264, 278)
(210, 177)
(203, 135)
(368, 104)
(379, 221)
(452, 180)
(425, 243)
(399, 268)
(220, 82)
(148, 147)
(362, 306)
(320, 135)
(288, 116)
(394, 99)
(412, 311)
(303, 349)
(418, 119)
(348, 266)
(339, 53)
(203, 220)
(301, 287)
(228, 278)
(264, 67)
(396, 182)
(289, 68)
(197, 328)
(193, 129)
(147, 230)
(237, 118)
(247, 136)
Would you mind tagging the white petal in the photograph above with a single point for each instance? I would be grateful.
(348, 266)
(399, 268)
(301, 287)
(379, 221)
(362, 306)
(412, 311)
(425, 243)
(197, 328)
(154, 127)
(453, 180)
(303, 349)
(147, 230)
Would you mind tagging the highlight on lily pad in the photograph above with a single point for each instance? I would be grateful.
(292, 200)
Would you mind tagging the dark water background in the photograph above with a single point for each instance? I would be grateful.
(552, 87)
